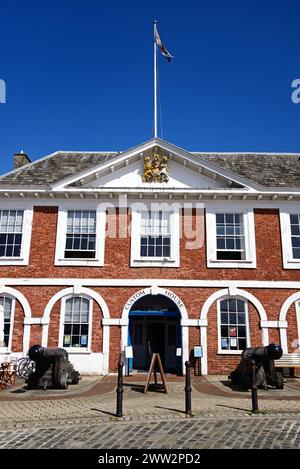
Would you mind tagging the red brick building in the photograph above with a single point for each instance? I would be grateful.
(99, 251)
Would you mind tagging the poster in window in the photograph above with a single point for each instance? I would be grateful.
(224, 343)
(67, 340)
(232, 331)
(83, 340)
(233, 342)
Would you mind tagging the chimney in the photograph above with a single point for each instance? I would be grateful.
(20, 159)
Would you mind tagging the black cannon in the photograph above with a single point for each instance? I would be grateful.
(265, 369)
(52, 368)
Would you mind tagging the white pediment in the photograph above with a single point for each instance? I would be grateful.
(180, 177)
(127, 170)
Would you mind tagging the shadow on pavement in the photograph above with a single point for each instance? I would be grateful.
(105, 412)
(231, 407)
(169, 408)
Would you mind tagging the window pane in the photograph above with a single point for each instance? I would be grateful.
(81, 229)
(224, 318)
(11, 222)
(153, 226)
(233, 324)
(76, 325)
(294, 219)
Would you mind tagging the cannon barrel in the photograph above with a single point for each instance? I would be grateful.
(266, 373)
(52, 368)
(37, 353)
(259, 354)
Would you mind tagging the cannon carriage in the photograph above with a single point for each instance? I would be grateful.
(266, 374)
(52, 368)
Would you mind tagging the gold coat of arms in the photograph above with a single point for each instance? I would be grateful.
(156, 170)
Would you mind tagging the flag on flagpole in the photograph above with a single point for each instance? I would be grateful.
(164, 51)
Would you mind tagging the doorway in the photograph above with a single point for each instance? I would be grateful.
(154, 327)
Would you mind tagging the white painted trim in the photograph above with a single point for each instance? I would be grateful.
(211, 236)
(248, 335)
(62, 231)
(13, 293)
(80, 291)
(145, 282)
(298, 322)
(269, 324)
(189, 322)
(135, 259)
(282, 324)
(287, 304)
(31, 321)
(168, 147)
(11, 329)
(282, 319)
(177, 301)
(286, 242)
(19, 296)
(87, 349)
(27, 209)
(105, 313)
(237, 292)
(111, 322)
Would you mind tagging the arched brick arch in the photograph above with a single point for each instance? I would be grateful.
(13, 293)
(78, 290)
(228, 292)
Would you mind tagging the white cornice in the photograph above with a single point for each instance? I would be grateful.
(161, 282)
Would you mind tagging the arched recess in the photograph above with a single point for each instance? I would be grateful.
(283, 321)
(78, 290)
(13, 293)
(155, 290)
(228, 292)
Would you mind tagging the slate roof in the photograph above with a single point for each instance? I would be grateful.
(266, 169)
(51, 169)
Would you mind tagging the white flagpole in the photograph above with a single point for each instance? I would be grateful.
(155, 80)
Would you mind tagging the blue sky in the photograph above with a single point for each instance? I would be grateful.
(79, 75)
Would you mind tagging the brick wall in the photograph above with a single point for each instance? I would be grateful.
(117, 265)
(117, 255)
(193, 298)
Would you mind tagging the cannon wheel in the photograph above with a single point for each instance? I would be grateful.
(75, 377)
(63, 381)
(279, 376)
(25, 367)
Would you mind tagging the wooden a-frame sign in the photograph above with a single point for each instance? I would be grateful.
(156, 357)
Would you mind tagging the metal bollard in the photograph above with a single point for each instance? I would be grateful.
(120, 390)
(254, 388)
(188, 389)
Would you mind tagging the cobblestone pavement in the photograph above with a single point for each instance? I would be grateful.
(195, 433)
(155, 420)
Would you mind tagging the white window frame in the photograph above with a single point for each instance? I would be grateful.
(136, 260)
(286, 238)
(23, 259)
(12, 317)
(78, 350)
(249, 236)
(61, 235)
(248, 337)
